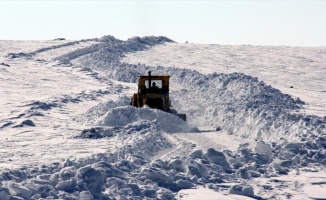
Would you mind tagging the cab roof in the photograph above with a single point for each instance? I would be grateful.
(146, 76)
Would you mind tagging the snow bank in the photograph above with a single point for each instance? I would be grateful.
(122, 116)
(128, 173)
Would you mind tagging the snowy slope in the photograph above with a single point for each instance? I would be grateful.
(68, 132)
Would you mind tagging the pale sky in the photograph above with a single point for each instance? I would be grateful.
(254, 22)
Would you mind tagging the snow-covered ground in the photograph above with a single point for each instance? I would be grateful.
(68, 132)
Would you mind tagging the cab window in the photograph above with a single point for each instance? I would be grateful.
(157, 82)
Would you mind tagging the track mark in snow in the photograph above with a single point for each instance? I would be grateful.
(217, 140)
(52, 52)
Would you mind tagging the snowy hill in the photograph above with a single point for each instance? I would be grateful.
(67, 131)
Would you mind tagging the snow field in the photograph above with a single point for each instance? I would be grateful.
(152, 161)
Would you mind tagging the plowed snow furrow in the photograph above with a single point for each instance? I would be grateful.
(54, 51)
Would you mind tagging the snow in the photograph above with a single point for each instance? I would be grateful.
(256, 124)
(122, 116)
(208, 194)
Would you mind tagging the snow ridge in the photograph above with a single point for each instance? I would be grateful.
(113, 48)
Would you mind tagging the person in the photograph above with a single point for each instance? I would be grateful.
(154, 88)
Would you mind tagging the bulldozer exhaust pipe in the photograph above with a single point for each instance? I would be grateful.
(149, 80)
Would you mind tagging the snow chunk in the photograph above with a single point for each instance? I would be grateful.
(157, 176)
(216, 157)
(196, 154)
(19, 190)
(65, 186)
(196, 169)
(86, 195)
(26, 122)
(264, 151)
(177, 164)
(242, 190)
(94, 181)
(4, 193)
(164, 193)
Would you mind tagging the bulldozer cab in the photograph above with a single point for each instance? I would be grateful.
(153, 84)
(153, 91)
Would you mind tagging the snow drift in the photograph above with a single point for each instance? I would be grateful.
(122, 116)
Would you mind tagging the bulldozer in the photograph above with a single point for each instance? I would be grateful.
(153, 91)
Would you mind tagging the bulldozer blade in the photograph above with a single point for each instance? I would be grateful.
(182, 116)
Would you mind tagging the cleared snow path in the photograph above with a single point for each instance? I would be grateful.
(214, 139)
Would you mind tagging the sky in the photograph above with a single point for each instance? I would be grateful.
(252, 22)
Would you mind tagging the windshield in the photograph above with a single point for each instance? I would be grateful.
(158, 83)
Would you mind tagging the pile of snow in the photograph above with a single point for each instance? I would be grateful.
(93, 114)
(102, 176)
(116, 114)
(122, 116)
(127, 173)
